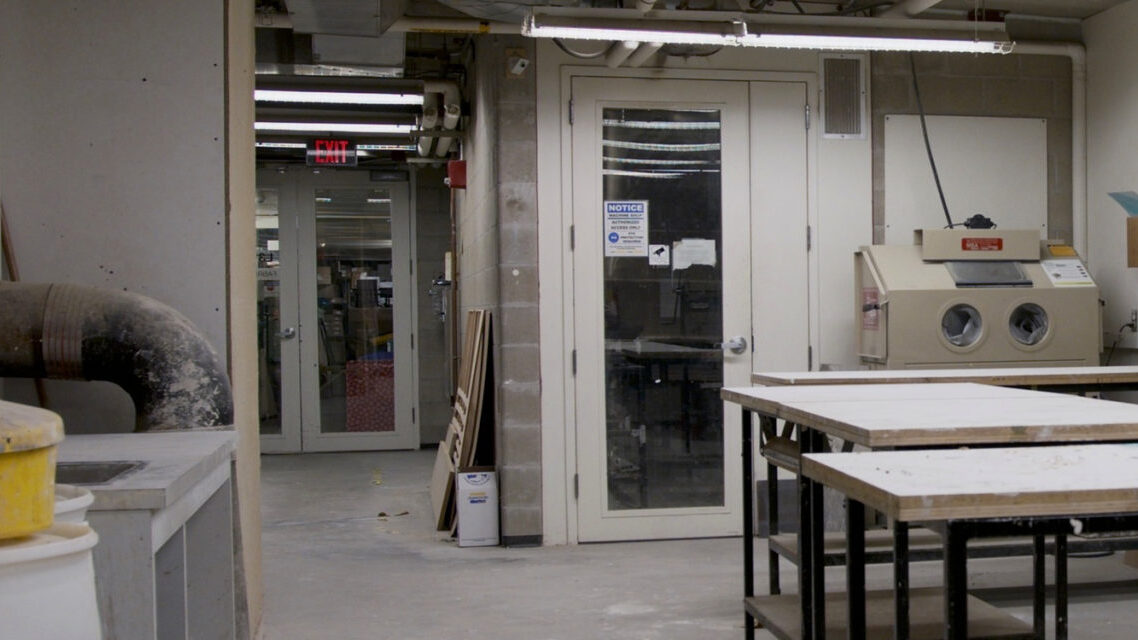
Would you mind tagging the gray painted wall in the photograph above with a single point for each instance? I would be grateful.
(497, 234)
(113, 163)
(979, 85)
(432, 241)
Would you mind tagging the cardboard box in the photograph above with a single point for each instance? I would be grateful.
(476, 490)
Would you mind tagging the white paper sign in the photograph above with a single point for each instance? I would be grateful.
(626, 228)
(659, 255)
(1067, 272)
(691, 251)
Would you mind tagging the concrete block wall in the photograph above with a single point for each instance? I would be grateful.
(1022, 86)
(432, 343)
(497, 233)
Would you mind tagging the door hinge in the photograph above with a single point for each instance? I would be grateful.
(411, 266)
(574, 361)
(412, 342)
(808, 116)
(576, 486)
(412, 415)
(809, 237)
(810, 358)
(572, 237)
(570, 110)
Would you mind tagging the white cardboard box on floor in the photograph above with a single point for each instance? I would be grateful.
(477, 493)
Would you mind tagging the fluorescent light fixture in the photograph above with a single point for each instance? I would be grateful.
(738, 31)
(386, 147)
(880, 43)
(379, 200)
(281, 145)
(641, 30)
(336, 97)
(338, 127)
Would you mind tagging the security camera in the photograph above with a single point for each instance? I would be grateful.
(517, 65)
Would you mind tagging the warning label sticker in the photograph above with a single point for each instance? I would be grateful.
(981, 244)
(626, 228)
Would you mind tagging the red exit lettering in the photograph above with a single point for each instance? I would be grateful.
(331, 151)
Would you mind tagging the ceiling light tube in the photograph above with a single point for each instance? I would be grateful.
(643, 30)
(879, 43)
(335, 127)
(335, 97)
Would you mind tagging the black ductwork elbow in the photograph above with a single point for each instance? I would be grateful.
(154, 353)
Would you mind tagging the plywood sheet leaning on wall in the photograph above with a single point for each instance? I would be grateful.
(458, 448)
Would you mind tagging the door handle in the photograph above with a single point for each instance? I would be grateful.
(738, 344)
(288, 333)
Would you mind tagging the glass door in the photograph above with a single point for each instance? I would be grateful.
(354, 298)
(662, 305)
(690, 271)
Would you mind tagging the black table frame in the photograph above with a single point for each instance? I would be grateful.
(811, 532)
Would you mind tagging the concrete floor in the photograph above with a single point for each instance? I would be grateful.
(349, 552)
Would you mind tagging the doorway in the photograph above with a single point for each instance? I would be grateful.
(334, 309)
(690, 270)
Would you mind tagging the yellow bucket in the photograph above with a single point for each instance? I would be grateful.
(28, 439)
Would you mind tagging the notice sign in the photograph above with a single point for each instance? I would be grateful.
(626, 228)
(981, 244)
(1067, 272)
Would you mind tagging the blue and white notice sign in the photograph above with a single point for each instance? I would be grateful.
(626, 228)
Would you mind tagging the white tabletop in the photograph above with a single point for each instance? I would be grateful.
(942, 414)
(1004, 376)
(976, 483)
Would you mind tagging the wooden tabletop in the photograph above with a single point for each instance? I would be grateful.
(915, 415)
(977, 483)
(1007, 376)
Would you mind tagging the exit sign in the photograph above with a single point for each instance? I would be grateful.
(331, 152)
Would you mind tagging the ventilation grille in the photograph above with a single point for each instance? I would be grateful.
(842, 110)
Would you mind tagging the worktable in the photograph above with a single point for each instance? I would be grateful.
(964, 493)
(1081, 379)
(164, 564)
(895, 416)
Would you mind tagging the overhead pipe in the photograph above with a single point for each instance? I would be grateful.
(427, 122)
(643, 52)
(74, 332)
(408, 24)
(909, 8)
(451, 114)
(619, 52)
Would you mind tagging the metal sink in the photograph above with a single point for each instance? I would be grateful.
(94, 472)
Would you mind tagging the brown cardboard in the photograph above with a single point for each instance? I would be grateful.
(1131, 241)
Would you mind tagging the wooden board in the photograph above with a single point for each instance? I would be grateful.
(457, 450)
(781, 615)
(984, 483)
(1004, 377)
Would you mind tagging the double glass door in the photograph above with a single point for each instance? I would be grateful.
(334, 305)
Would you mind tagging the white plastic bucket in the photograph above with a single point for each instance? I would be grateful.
(47, 585)
(71, 503)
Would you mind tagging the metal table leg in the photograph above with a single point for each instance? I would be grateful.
(855, 568)
(901, 581)
(748, 522)
(1061, 586)
(772, 529)
(955, 582)
(805, 540)
(1039, 586)
(818, 544)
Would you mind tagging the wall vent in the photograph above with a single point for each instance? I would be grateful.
(843, 96)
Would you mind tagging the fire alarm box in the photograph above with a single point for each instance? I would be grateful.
(456, 174)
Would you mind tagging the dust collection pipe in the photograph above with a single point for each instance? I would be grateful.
(154, 353)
